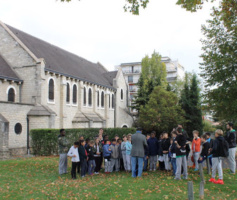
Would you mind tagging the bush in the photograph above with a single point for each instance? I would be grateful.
(208, 127)
(45, 141)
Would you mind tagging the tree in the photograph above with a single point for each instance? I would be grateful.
(134, 6)
(219, 66)
(190, 103)
(153, 73)
(162, 112)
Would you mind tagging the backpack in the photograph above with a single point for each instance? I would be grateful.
(224, 149)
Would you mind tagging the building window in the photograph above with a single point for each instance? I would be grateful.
(68, 93)
(84, 96)
(98, 98)
(51, 90)
(18, 128)
(11, 95)
(90, 97)
(130, 79)
(109, 100)
(112, 100)
(121, 94)
(74, 94)
(132, 69)
(102, 99)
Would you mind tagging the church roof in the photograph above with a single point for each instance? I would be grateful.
(63, 62)
(110, 76)
(6, 72)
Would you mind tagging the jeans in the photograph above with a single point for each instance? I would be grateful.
(74, 168)
(114, 162)
(173, 163)
(135, 161)
(181, 162)
(153, 162)
(166, 160)
(128, 159)
(98, 163)
(145, 163)
(107, 163)
(83, 167)
(91, 166)
(196, 157)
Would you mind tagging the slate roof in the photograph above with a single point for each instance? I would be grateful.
(40, 110)
(110, 76)
(63, 62)
(6, 72)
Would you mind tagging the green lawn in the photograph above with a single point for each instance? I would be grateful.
(37, 178)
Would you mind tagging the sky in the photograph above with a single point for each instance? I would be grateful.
(100, 30)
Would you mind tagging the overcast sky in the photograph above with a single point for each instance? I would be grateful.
(100, 30)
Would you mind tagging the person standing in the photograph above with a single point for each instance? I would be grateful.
(128, 152)
(231, 139)
(98, 155)
(196, 144)
(123, 149)
(180, 151)
(73, 152)
(165, 147)
(138, 144)
(153, 150)
(63, 149)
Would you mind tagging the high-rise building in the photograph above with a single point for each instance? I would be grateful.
(132, 73)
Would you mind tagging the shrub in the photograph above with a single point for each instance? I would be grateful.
(44, 141)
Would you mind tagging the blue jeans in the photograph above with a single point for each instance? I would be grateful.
(91, 166)
(145, 163)
(173, 163)
(137, 161)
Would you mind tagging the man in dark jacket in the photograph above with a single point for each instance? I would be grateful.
(180, 151)
(231, 139)
(153, 150)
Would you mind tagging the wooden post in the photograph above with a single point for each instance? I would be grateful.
(208, 166)
(190, 190)
(201, 173)
(201, 190)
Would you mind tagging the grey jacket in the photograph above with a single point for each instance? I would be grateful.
(114, 151)
(138, 145)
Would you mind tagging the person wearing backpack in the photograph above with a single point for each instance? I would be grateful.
(219, 150)
(231, 139)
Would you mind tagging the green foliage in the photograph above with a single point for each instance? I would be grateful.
(45, 141)
(219, 66)
(162, 112)
(207, 127)
(153, 74)
(190, 102)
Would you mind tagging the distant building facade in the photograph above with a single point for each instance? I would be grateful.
(43, 86)
(132, 72)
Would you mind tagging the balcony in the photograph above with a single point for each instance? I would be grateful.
(131, 72)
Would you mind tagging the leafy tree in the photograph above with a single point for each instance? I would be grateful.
(162, 112)
(190, 103)
(134, 6)
(153, 74)
(219, 66)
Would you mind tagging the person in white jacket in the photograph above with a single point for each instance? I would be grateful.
(73, 152)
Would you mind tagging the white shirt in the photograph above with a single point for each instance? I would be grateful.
(74, 151)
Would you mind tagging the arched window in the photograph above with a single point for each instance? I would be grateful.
(109, 100)
(102, 99)
(90, 97)
(51, 90)
(74, 94)
(84, 96)
(98, 98)
(68, 93)
(11, 95)
(121, 94)
(112, 100)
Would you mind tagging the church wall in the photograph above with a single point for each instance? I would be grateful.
(4, 88)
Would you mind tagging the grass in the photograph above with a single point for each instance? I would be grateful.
(37, 178)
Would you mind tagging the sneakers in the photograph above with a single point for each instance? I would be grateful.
(195, 169)
(150, 170)
(212, 180)
(97, 173)
(154, 170)
(219, 181)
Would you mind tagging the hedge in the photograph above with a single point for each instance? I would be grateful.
(44, 141)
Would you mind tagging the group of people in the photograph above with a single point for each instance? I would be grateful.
(137, 153)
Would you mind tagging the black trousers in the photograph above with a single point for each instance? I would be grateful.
(98, 163)
(74, 169)
(161, 165)
(121, 165)
(78, 167)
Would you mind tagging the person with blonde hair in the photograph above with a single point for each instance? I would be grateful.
(219, 150)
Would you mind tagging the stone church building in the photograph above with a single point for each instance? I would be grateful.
(44, 86)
